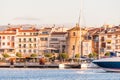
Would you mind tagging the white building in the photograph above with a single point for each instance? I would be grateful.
(86, 47)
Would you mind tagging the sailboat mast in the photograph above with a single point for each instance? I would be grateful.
(79, 23)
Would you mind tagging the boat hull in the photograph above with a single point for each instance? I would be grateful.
(112, 65)
(109, 64)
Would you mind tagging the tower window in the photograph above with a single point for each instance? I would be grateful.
(73, 47)
(74, 34)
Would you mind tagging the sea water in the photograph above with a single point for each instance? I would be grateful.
(56, 74)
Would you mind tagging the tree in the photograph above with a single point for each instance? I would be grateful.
(18, 54)
(93, 55)
(5, 55)
(107, 54)
(48, 55)
(33, 55)
(90, 55)
(63, 56)
(77, 55)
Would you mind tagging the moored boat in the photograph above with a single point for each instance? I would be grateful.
(109, 64)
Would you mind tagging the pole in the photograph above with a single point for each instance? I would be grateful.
(79, 23)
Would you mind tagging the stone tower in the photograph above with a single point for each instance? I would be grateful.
(73, 41)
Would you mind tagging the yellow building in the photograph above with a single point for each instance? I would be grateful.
(74, 45)
(73, 41)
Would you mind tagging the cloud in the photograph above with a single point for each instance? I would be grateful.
(27, 18)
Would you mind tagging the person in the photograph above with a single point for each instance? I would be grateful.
(11, 62)
(42, 61)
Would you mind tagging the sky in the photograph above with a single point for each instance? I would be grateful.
(93, 12)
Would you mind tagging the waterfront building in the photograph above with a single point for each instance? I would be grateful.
(43, 40)
(58, 42)
(74, 41)
(104, 39)
(93, 35)
(52, 40)
(7, 40)
(26, 41)
(86, 47)
(109, 40)
(29, 40)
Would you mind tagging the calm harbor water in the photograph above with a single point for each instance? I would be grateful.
(56, 74)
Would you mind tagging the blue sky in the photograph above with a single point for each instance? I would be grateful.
(94, 12)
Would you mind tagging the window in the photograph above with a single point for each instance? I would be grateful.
(34, 39)
(8, 43)
(24, 39)
(8, 37)
(35, 45)
(117, 41)
(102, 38)
(3, 37)
(108, 47)
(73, 47)
(116, 36)
(24, 33)
(3, 43)
(19, 39)
(103, 45)
(44, 32)
(34, 51)
(54, 39)
(30, 50)
(63, 46)
(19, 45)
(30, 46)
(36, 33)
(44, 39)
(24, 46)
(30, 40)
(24, 50)
(12, 44)
(20, 51)
(74, 34)
(117, 47)
(12, 38)
(30, 33)
(41, 39)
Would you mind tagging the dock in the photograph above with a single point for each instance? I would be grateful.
(37, 65)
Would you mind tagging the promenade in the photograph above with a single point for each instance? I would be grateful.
(37, 65)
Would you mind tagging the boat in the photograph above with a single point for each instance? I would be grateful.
(111, 64)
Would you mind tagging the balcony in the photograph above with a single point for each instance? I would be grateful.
(52, 41)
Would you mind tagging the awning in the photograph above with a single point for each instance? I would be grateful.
(51, 48)
(108, 40)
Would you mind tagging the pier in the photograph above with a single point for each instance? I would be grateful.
(36, 65)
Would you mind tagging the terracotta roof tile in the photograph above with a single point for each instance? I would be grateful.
(28, 30)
